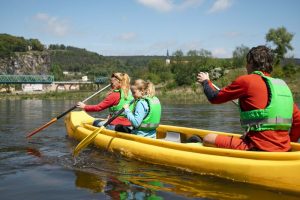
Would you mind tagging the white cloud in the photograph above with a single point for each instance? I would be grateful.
(220, 5)
(160, 5)
(221, 53)
(130, 36)
(169, 5)
(188, 4)
(52, 25)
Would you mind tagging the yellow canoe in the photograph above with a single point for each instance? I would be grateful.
(278, 170)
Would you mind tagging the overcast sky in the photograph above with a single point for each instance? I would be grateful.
(150, 27)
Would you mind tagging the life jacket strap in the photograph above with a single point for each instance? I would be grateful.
(256, 122)
(150, 125)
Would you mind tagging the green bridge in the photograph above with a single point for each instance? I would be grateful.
(38, 79)
(32, 79)
(101, 80)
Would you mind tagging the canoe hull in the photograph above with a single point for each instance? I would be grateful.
(276, 170)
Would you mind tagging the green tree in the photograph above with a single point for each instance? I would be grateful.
(192, 53)
(289, 70)
(199, 53)
(178, 55)
(57, 72)
(159, 67)
(10, 44)
(156, 66)
(239, 56)
(155, 78)
(282, 39)
(36, 45)
(205, 53)
(184, 73)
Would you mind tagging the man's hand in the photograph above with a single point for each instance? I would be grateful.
(202, 76)
(80, 105)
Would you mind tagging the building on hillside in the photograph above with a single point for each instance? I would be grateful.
(84, 78)
(67, 73)
(7, 89)
(32, 87)
(168, 60)
(61, 87)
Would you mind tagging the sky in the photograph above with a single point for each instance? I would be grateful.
(151, 27)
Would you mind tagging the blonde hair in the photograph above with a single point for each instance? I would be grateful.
(124, 81)
(147, 87)
(139, 82)
(150, 89)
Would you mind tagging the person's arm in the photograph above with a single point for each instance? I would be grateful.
(137, 117)
(209, 90)
(110, 100)
(295, 130)
(233, 91)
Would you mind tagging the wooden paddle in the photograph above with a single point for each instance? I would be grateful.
(90, 138)
(63, 114)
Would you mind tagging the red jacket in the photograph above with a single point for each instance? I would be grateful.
(252, 92)
(110, 100)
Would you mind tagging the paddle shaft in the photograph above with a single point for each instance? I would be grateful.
(113, 117)
(63, 114)
(88, 139)
(66, 112)
(233, 101)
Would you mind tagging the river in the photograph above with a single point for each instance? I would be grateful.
(43, 167)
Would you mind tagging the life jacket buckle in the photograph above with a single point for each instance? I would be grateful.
(248, 128)
(257, 126)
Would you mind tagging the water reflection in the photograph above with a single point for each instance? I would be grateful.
(116, 188)
(165, 184)
(89, 181)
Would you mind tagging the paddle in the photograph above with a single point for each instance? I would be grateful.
(63, 114)
(88, 139)
(233, 101)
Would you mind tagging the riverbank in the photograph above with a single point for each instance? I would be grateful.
(179, 95)
(182, 95)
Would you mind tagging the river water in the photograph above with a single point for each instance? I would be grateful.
(43, 167)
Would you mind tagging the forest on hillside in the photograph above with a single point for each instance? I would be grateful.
(181, 69)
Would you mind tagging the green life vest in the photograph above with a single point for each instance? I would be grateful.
(278, 113)
(122, 102)
(152, 119)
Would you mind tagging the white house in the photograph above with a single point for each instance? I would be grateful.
(84, 78)
(32, 87)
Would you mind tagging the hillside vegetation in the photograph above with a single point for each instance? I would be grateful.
(179, 73)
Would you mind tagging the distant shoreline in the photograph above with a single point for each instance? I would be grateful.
(183, 95)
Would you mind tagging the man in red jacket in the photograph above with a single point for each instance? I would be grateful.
(266, 106)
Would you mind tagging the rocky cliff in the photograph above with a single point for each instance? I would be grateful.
(29, 63)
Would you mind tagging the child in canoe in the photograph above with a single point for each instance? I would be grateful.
(146, 113)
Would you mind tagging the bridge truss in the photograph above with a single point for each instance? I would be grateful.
(30, 79)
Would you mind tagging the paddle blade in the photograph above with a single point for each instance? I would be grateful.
(87, 140)
(41, 128)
